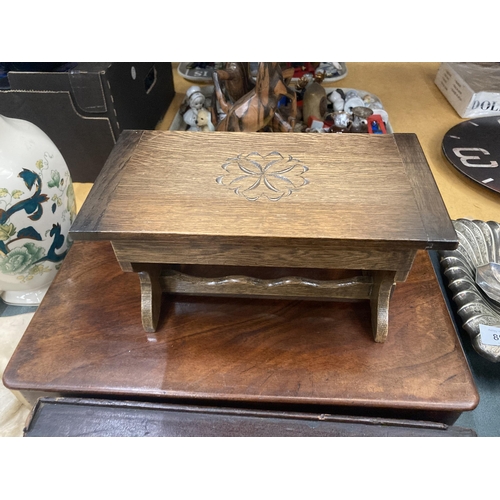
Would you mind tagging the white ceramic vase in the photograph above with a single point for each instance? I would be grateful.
(37, 208)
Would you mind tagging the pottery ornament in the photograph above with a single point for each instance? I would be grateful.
(195, 97)
(37, 208)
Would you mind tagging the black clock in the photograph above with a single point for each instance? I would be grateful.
(473, 147)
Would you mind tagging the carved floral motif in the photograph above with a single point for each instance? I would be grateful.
(272, 176)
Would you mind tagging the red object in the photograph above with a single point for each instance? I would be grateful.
(313, 119)
(328, 122)
(301, 69)
(376, 125)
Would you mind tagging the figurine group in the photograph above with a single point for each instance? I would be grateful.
(196, 116)
(268, 103)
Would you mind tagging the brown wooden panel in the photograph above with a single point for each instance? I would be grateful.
(358, 287)
(427, 195)
(227, 252)
(87, 338)
(351, 187)
(109, 177)
(71, 417)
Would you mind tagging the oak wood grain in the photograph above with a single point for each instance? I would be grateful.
(151, 291)
(263, 252)
(358, 287)
(301, 200)
(354, 187)
(383, 285)
(109, 178)
(427, 195)
(252, 351)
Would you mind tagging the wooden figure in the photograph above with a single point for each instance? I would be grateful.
(259, 108)
(231, 84)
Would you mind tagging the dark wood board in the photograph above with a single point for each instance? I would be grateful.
(71, 417)
(86, 338)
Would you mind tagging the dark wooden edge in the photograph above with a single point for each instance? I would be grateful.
(259, 418)
(108, 179)
(441, 234)
(447, 415)
(326, 417)
(355, 406)
(238, 241)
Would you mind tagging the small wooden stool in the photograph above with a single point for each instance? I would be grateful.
(267, 200)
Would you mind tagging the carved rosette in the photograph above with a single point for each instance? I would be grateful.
(272, 176)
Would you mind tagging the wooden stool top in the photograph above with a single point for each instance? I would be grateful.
(348, 188)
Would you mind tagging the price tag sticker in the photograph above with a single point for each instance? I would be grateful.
(490, 335)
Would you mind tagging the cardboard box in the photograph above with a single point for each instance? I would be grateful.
(473, 89)
(85, 109)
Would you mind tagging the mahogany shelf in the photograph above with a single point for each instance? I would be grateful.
(86, 339)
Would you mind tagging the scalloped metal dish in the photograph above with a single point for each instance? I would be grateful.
(479, 244)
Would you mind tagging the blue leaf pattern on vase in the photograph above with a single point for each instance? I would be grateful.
(25, 260)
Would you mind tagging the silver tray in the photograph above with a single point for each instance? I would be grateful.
(479, 244)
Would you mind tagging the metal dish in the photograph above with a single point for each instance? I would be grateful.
(479, 245)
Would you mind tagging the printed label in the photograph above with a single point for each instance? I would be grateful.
(490, 335)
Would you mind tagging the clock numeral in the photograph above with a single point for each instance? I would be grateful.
(465, 158)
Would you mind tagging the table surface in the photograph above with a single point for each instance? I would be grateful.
(240, 350)
(336, 187)
(415, 105)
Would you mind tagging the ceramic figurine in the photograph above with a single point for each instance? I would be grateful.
(204, 121)
(341, 122)
(258, 108)
(300, 86)
(336, 99)
(37, 208)
(314, 102)
(371, 101)
(352, 100)
(319, 76)
(189, 118)
(194, 99)
(359, 120)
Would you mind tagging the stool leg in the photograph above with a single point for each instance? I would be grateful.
(151, 291)
(383, 285)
